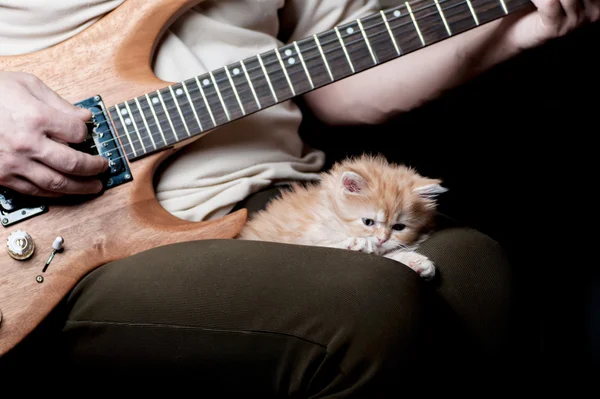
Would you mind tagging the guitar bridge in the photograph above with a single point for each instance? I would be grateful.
(101, 140)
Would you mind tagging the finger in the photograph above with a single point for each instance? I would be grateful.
(49, 97)
(26, 187)
(60, 125)
(550, 11)
(592, 9)
(53, 181)
(67, 160)
(573, 10)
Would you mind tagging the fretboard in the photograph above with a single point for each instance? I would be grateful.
(158, 120)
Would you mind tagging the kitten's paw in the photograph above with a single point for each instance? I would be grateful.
(359, 244)
(421, 264)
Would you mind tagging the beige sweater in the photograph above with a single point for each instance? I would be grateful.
(208, 177)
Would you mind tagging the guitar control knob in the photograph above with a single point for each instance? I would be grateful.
(20, 245)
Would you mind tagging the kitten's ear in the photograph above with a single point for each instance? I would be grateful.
(353, 183)
(430, 189)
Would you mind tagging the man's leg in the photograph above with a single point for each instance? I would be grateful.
(258, 317)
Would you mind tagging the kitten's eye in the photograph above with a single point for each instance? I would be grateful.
(368, 222)
(399, 227)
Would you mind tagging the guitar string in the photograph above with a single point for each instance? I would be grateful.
(184, 122)
(298, 71)
(186, 114)
(325, 43)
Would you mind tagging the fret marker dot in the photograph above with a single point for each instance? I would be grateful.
(292, 61)
(397, 13)
(350, 30)
(123, 111)
(288, 52)
(236, 71)
(128, 121)
(206, 82)
(155, 100)
(179, 92)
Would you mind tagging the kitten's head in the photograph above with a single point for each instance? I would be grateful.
(390, 205)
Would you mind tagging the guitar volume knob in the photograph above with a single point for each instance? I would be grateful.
(20, 245)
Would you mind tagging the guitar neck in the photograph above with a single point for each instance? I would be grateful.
(160, 119)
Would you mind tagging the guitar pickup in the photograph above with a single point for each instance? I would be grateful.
(102, 140)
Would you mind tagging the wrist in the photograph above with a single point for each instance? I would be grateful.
(489, 45)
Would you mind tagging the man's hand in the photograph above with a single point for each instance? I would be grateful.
(35, 126)
(551, 20)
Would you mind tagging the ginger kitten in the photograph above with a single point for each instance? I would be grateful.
(362, 204)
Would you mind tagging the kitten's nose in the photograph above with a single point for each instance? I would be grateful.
(382, 240)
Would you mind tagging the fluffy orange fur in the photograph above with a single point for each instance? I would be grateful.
(362, 204)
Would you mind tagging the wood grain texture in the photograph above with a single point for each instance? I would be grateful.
(113, 59)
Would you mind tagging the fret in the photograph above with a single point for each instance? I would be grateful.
(243, 88)
(167, 107)
(180, 113)
(260, 82)
(204, 101)
(295, 71)
(192, 106)
(148, 109)
(285, 72)
(487, 10)
(267, 77)
(430, 21)
(439, 8)
(315, 62)
(337, 59)
(140, 109)
(301, 58)
(142, 134)
(134, 143)
(403, 29)
(356, 46)
(235, 92)
(219, 95)
(277, 75)
(380, 36)
(322, 53)
(159, 109)
(473, 12)
(415, 23)
(343, 46)
(130, 120)
(213, 99)
(250, 84)
(362, 29)
(503, 4)
(120, 131)
(228, 98)
(185, 109)
(458, 15)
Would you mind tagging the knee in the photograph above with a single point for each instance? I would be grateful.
(380, 317)
(473, 299)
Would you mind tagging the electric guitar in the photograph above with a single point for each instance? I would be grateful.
(138, 121)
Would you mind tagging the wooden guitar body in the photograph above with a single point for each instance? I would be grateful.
(112, 59)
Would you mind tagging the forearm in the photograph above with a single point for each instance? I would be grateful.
(400, 85)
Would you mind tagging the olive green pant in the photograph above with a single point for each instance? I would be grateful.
(279, 320)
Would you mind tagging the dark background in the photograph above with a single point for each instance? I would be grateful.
(516, 146)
